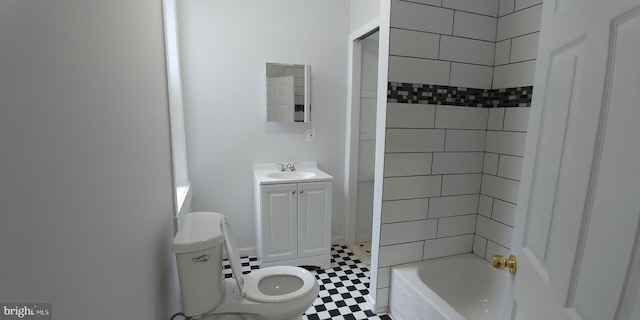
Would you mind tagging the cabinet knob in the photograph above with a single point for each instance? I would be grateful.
(293, 192)
(301, 191)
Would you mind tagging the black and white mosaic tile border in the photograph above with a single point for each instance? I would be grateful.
(459, 96)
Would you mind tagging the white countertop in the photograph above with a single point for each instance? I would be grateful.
(261, 173)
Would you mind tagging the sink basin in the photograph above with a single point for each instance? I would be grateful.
(291, 175)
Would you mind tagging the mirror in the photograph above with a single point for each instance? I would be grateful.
(288, 92)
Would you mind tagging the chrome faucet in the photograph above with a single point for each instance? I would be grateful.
(284, 167)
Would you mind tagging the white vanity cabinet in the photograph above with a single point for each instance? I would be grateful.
(293, 223)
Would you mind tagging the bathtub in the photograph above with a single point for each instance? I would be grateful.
(452, 288)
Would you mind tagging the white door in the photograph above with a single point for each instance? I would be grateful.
(279, 222)
(576, 234)
(314, 219)
(280, 99)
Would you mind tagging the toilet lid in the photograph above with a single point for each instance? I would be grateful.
(232, 253)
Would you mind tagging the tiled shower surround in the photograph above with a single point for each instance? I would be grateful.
(443, 166)
(459, 96)
(460, 73)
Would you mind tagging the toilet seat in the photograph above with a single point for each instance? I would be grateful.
(249, 284)
(252, 282)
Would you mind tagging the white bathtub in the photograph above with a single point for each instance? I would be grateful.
(451, 288)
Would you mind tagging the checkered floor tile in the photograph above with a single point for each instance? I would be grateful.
(342, 287)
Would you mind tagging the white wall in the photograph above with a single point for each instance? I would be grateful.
(224, 47)
(85, 163)
(363, 11)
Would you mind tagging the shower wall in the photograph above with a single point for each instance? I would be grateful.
(433, 171)
(516, 43)
(433, 45)
(502, 165)
(444, 161)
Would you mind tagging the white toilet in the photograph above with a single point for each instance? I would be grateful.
(273, 293)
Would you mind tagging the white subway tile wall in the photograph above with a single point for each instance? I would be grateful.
(457, 162)
(519, 74)
(412, 70)
(398, 188)
(455, 226)
(490, 164)
(451, 174)
(506, 142)
(467, 50)
(485, 206)
(403, 140)
(496, 232)
(432, 182)
(486, 7)
(453, 184)
(506, 7)
(442, 247)
(496, 119)
(400, 253)
(451, 188)
(453, 205)
(479, 246)
(519, 23)
(404, 210)
(525, 47)
(431, 2)
(474, 26)
(517, 36)
(464, 140)
(523, 4)
(419, 17)
(407, 164)
(502, 52)
(500, 180)
(410, 231)
(498, 187)
(516, 119)
(486, 44)
(416, 44)
(449, 42)
(470, 75)
(402, 115)
(461, 118)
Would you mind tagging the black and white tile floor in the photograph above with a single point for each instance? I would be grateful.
(342, 287)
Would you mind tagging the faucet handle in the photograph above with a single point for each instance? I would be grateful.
(292, 166)
(282, 166)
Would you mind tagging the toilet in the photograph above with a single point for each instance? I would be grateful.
(273, 293)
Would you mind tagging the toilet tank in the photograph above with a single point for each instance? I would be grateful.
(198, 248)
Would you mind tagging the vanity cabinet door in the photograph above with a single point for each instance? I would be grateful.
(314, 219)
(279, 222)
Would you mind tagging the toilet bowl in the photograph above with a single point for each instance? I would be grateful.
(273, 293)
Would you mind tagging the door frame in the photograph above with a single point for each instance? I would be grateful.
(353, 123)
